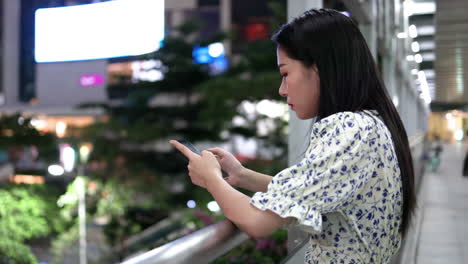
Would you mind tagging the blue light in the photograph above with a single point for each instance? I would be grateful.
(219, 65)
(208, 53)
(201, 55)
(213, 55)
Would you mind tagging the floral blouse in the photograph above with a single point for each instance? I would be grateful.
(346, 192)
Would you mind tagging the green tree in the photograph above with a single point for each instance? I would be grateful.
(26, 212)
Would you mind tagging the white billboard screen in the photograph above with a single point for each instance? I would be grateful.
(97, 31)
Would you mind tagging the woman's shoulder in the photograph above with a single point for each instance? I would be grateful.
(347, 122)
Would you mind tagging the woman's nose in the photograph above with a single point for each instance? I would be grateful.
(282, 90)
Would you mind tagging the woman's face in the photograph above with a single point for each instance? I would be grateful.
(300, 85)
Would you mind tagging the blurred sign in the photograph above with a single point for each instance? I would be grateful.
(27, 179)
(256, 31)
(89, 80)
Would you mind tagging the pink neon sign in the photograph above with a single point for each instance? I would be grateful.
(90, 80)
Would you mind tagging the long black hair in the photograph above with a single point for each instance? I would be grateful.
(349, 80)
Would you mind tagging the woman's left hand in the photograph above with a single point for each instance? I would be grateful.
(202, 168)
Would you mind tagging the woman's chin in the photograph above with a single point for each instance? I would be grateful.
(301, 117)
(304, 117)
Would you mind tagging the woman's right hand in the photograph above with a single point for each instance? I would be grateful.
(230, 165)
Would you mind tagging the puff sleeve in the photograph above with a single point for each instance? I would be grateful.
(335, 168)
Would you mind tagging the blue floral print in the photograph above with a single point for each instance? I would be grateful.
(346, 191)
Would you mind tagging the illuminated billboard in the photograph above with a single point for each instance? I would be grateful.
(97, 31)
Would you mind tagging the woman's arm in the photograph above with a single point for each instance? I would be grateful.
(253, 181)
(239, 176)
(237, 208)
(205, 171)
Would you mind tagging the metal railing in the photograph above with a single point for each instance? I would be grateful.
(408, 250)
(150, 235)
(201, 246)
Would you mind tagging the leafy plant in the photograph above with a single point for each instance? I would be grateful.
(14, 252)
(26, 212)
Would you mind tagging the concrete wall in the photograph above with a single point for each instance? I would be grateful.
(10, 51)
(58, 83)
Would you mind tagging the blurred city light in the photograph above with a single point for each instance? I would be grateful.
(402, 35)
(458, 135)
(27, 179)
(147, 70)
(191, 204)
(216, 49)
(425, 95)
(213, 55)
(271, 109)
(39, 124)
(67, 157)
(418, 58)
(85, 150)
(213, 206)
(248, 108)
(20, 120)
(218, 65)
(56, 170)
(415, 46)
(60, 129)
(201, 55)
(91, 79)
(413, 31)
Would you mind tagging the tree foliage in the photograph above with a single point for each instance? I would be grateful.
(26, 212)
(17, 131)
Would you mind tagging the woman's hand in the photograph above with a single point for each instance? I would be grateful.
(202, 168)
(230, 165)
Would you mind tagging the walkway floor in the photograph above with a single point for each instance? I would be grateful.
(444, 230)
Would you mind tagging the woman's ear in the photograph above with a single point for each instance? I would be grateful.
(314, 68)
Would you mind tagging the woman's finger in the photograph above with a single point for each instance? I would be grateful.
(183, 149)
(216, 151)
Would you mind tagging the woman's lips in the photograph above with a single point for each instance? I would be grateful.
(291, 105)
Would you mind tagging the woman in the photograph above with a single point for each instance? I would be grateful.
(353, 190)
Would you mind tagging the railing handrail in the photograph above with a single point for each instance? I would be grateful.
(147, 235)
(201, 246)
(416, 140)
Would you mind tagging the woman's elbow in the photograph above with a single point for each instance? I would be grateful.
(256, 231)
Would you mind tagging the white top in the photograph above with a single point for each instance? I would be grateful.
(346, 192)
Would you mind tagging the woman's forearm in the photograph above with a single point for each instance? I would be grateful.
(237, 208)
(254, 181)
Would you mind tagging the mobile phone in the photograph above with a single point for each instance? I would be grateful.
(195, 150)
